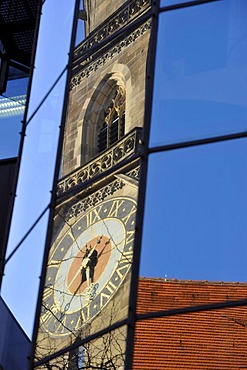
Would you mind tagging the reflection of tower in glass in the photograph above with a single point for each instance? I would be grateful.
(91, 257)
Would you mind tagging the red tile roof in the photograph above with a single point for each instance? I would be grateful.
(201, 340)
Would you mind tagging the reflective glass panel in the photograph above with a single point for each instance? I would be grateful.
(33, 195)
(12, 106)
(22, 276)
(201, 67)
(52, 49)
(195, 214)
(37, 165)
(106, 352)
(172, 2)
(88, 271)
(80, 31)
(201, 340)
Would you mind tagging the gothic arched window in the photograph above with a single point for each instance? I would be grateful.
(113, 126)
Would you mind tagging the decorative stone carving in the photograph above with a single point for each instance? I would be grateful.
(118, 20)
(94, 199)
(95, 64)
(124, 148)
(135, 173)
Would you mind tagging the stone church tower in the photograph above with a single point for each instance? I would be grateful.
(89, 268)
(114, 71)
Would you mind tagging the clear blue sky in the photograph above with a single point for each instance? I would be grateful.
(195, 218)
(21, 280)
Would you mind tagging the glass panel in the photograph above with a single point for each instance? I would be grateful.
(51, 56)
(37, 166)
(106, 352)
(172, 2)
(199, 73)
(195, 215)
(33, 196)
(21, 280)
(201, 340)
(80, 32)
(12, 106)
(88, 272)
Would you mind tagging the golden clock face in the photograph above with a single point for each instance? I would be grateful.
(88, 265)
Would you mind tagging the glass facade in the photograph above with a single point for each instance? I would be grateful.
(198, 207)
(194, 235)
(201, 61)
(144, 258)
(41, 128)
(85, 293)
(12, 106)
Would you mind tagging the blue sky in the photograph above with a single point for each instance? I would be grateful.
(199, 230)
(195, 217)
(21, 280)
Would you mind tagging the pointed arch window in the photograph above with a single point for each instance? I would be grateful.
(113, 126)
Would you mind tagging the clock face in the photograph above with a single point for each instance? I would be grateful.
(88, 265)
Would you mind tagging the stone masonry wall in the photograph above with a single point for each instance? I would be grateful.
(99, 10)
(126, 61)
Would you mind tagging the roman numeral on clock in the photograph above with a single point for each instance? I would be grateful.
(93, 216)
(116, 204)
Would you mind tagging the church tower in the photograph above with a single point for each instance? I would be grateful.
(85, 300)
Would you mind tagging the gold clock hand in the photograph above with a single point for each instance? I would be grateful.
(73, 279)
(75, 276)
(87, 263)
(101, 252)
(92, 250)
(84, 263)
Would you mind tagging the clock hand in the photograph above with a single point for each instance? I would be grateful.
(85, 262)
(67, 306)
(87, 259)
(101, 252)
(92, 249)
(89, 253)
(73, 279)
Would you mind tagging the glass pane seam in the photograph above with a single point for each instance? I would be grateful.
(185, 5)
(187, 310)
(81, 342)
(26, 235)
(198, 142)
(46, 96)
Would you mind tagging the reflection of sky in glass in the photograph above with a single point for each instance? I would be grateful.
(21, 280)
(50, 62)
(80, 32)
(33, 191)
(195, 216)
(201, 71)
(196, 212)
(172, 2)
(12, 105)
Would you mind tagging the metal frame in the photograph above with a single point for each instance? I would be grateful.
(142, 189)
(133, 316)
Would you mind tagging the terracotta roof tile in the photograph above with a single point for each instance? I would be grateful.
(202, 340)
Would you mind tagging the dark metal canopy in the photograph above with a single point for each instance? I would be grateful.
(17, 25)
